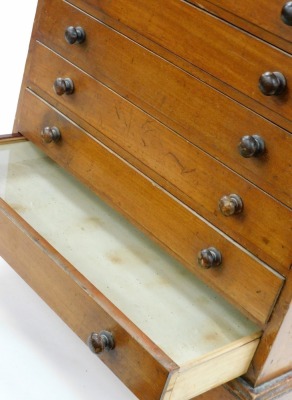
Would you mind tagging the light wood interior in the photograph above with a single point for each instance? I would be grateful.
(179, 313)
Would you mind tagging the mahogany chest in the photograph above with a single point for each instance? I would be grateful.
(148, 189)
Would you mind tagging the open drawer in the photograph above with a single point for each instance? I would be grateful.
(158, 328)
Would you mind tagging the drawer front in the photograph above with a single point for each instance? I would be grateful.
(182, 168)
(220, 49)
(245, 281)
(182, 102)
(135, 360)
(223, 345)
(269, 16)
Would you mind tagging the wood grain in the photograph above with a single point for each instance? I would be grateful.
(239, 357)
(232, 356)
(142, 366)
(242, 279)
(185, 65)
(261, 18)
(238, 389)
(212, 38)
(181, 168)
(279, 388)
(51, 31)
(219, 393)
(183, 103)
(273, 357)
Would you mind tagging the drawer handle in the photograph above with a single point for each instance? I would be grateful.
(272, 83)
(100, 342)
(50, 134)
(251, 146)
(230, 205)
(286, 13)
(75, 34)
(210, 257)
(63, 86)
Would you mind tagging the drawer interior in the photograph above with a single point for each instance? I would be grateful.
(180, 314)
(175, 164)
(243, 279)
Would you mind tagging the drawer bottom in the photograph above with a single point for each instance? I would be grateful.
(174, 337)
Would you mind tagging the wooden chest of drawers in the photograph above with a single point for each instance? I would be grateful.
(180, 120)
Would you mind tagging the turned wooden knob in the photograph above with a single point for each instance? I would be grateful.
(210, 257)
(50, 134)
(63, 86)
(272, 83)
(100, 342)
(230, 205)
(286, 13)
(75, 34)
(251, 146)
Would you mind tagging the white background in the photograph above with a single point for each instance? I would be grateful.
(40, 357)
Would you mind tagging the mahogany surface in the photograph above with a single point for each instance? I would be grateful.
(163, 93)
(212, 39)
(135, 73)
(173, 226)
(261, 18)
(178, 166)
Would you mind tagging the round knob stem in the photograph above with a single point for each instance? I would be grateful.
(286, 13)
(272, 83)
(100, 342)
(75, 34)
(63, 86)
(230, 205)
(251, 146)
(210, 257)
(50, 134)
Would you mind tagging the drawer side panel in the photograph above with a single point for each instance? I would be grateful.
(135, 359)
(214, 372)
